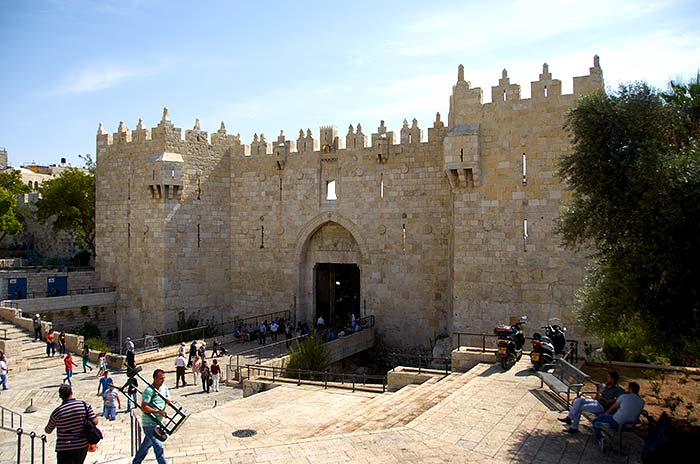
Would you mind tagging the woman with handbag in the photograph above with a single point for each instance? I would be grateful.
(75, 422)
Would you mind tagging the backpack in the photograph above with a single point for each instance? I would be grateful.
(93, 434)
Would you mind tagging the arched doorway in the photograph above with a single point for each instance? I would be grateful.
(330, 274)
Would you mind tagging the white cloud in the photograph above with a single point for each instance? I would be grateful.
(104, 76)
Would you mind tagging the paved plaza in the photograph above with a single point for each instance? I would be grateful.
(484, 415)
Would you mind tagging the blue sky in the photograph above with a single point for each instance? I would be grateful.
(267, 66)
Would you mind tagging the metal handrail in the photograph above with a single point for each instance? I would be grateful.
(75, 291)
(135, 433)
(4, 334)
(282, 345)
(283, 372)
(571, 353)
(190, 334)
(422, 359)
(3, 413)
(32, 436)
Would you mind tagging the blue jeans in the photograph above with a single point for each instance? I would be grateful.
(148, 441)
(603, 419)
(69, 374)
(109, 412)
(3, 381)
(580, 405)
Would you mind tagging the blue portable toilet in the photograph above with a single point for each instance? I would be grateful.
(57, 286)
(16, 288)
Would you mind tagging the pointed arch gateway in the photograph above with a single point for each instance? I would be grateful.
(331, 254)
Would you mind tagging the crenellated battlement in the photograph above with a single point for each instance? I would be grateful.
(466, 107)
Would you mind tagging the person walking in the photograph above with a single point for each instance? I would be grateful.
(36, 323)
(62, 343)
(202, 351)
(205, 373)
(196, 364)
(180, 366)
(193, 353)
(68, 361)
(4, 371)
(105, 381)
(215, 374)
(132, 387)
(86, 358)
(101, 363)
(215, 348)
(262, 332)
(69, 421)
(153, 403)
(109, 408)
(50, 343)
(128, 345)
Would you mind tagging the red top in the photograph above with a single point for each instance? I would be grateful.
(215, 369)
(68, 361)
(50, 337)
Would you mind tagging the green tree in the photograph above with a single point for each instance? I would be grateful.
(634, 170)
(11, 180)
(70, 199)
(11, 185)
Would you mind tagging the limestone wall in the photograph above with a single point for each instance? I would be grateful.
(210, 228)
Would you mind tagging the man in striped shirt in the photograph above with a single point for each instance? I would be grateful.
(69, 421)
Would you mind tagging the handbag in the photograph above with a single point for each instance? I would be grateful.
(93, 434)
(210, 381)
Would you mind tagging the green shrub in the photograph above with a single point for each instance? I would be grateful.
(310, 354)
(97, 344)
(88, 330)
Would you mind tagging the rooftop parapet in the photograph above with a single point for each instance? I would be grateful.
(466, 102)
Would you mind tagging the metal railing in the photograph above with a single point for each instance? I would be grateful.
(32, 451)
(423, 361)
(154, 342)
(13, 424)
(571, 355)
(271, 350)
(48, 294)
(4, 334)
(135, 433)
(307, 377)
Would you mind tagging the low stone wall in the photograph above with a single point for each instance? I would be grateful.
(464, 358)
(74, 343)
(401, 376)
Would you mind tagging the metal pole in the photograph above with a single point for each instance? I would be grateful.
(31, 450)
(43, 448)
(19, 445)
(483, 343)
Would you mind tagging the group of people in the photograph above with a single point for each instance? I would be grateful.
(273, 329)
(208, 372)
(612, 405)
(70, 417)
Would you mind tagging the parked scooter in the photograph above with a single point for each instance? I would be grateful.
(546, 348)
(510, 343)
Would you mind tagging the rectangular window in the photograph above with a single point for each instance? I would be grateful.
(524, 168)
(330, 190)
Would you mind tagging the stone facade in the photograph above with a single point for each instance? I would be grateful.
(452, 233)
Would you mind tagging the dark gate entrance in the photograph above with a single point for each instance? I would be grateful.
(337, 292)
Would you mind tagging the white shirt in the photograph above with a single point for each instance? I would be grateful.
(3, 367)
(274, 327)
(320, 321)
(180, 361)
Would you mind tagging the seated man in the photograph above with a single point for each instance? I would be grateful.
(626, 410)
(606, 396)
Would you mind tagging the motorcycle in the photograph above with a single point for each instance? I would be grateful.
(546, 348)
(510, 343)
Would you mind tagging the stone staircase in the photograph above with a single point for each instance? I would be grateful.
(23, 352)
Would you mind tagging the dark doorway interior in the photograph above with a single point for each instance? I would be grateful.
(337, 292)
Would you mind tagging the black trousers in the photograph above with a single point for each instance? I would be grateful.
(72, 456)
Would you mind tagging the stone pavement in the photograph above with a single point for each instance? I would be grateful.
(486, 416)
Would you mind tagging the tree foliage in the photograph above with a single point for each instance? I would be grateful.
(11, 185)
(70, 199)
(310, 354)
(635, 174)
